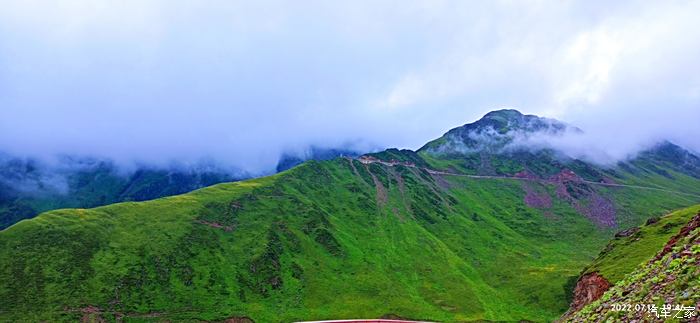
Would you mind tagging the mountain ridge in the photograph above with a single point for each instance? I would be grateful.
(30, 186)
(494, 131)
(336, 239)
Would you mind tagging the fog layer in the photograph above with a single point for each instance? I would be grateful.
(243, 82)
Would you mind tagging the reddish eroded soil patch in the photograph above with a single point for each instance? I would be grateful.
(599, 209)
(550, 215)
(525, 174)
(441, 181)
(434, 187)
(91, 314)
(589, 288)
(399, 181)
(692, 225)
(382, 196)
(582, 197)
(566, 175)
(398, 215)
(535, 198)
(354, 170)
(402, 189)
(656, 281)
(217, 225)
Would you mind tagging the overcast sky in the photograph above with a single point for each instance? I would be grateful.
(241, 81)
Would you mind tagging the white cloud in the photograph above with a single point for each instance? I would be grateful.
(242, 81)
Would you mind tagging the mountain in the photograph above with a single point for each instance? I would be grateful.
(434, 234)
(499, 144)
(670, 275)
(29, 186)
(493, 132)
(291, 159)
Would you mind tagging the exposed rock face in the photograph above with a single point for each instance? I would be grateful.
(670, 278)
(652, 220)
(589, 288)
(685, 231)
(626, 233)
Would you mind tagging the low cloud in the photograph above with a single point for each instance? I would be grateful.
(240, 83)
(585, 146)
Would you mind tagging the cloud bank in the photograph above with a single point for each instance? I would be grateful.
(241, 82)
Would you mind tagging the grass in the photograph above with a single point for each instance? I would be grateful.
(315, 242)
(673, 279)
(624, 254)
(101, 185)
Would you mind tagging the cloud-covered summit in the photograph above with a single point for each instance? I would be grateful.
(243, 82)
(507, 131)
(496, 132)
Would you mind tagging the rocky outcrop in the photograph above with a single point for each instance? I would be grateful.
(685, 231)
(589, 288)
(627, 233)
(664, 288)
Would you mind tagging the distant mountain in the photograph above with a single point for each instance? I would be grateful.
(29, 186)
(493, 133)
(468, 228)
(497, 145)
(289, 159)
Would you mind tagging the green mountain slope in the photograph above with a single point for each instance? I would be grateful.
(337, 239)
(634, 246)
(28, 187)
(671, 277)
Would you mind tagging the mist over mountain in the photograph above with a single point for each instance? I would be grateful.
(291, 159)
(286, 161)
(497, 131)
(29, 186)
(502, 142)
(508, 132)
(270, 76)
(473, 226)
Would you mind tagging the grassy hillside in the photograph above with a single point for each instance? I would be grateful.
(671, 277)
(335, 239)
(89, 185)
(29, 187)
(627, 251)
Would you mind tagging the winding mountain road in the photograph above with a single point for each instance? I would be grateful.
(541, 180)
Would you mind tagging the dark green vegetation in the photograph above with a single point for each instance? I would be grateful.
(670, 277)
(289, 160)
(27, 187)
(342, 239)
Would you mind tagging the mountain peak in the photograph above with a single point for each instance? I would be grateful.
(504, 113)
(494, 131)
